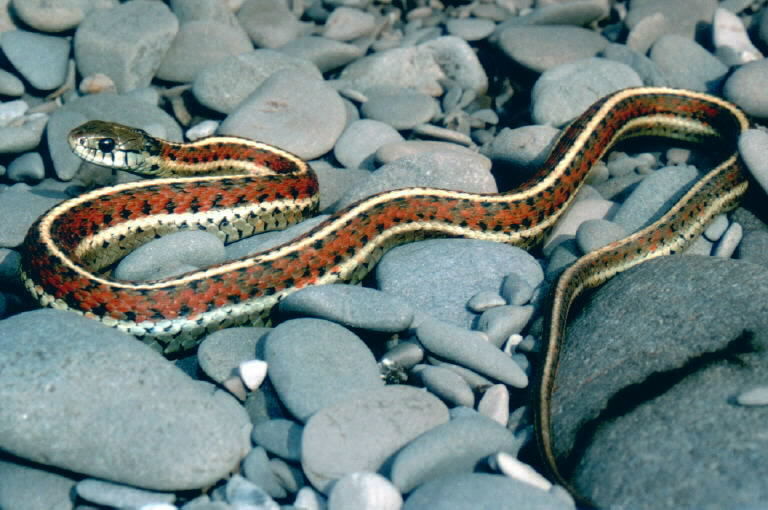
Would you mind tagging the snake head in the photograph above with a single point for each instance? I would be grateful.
(113, 145)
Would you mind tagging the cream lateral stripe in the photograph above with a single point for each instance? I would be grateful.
(158, 220)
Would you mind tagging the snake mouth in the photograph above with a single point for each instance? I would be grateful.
(118, 159)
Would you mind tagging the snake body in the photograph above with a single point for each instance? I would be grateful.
(235, 187)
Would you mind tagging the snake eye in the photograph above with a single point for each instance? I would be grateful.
(106, 145)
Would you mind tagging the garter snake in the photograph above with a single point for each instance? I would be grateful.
(235, 187)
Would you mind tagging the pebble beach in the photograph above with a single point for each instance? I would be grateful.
(412, 390)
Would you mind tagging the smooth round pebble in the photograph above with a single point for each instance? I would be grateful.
(23, 137)
(37, 488)
(564, 92)
(583, 210)
(501, 321)
(471, 491)
(727, 244)
(717, 227)
(439, 276)
(315, 363)
(256, 468)
(348, 23)
(400, 108)
(395, 150)
(309, 118)
(648, 71)
(106, 493)
(754, 247)
(28, 167)
(594, 234)
(10, 85)
(484, 300)
(41, 59)
(127, 42)
(224, 84)
(90, 367)
(198, 45)
(754, 397)
(540, 48)
(20, 206)
(516, 290)
(687, 65)
(654, 196)
(526, 146)
(269, 23)
(221, 352)
(495, 404)
(350, 305)
(447, 170)
(579, 13)
(362, 432)
(280, 437)
(357, 145)
(326, 54)
(744, 87)
(171, 254)
(470, 29)
(64, 15)
(446, 384)
(731, 40)
(404, 355)
(753, 145)
(65, 162)
(364, 491)
(470, 349)
(240, 492)
(11, 111)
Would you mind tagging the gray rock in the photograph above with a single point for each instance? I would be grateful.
(476, 381)
(364, 490)
(64, 15)
(757, 396)
(451, 448)
(314, 364)
(10, 85)
(526, 146)
(62, 121)
(446, 384)
(120, 496)
(280, 437)
(543, 47)
(125, 411)
(688, 65)
(471, 491)
(20, 206)
(485, 300)
(565, 254)
(242, 493)
(516, 290)
(221, 352)
(127, 42)
(27, 167)
(683, 17)
(225, 83)
(10, 262)
(395, 150)
(269, 23)
(743, 88)
(171, 255)
(351, 306)
(581, 211)
(440, 276)
(265, 241)
(358, 143)
(594, 234)
(308, 121)
(256, 468)
(24, 137)
(727, 245)
(400, 108)
(291, 476)
(754, 248)
(648, 71)
(348, 23)
(470, 29)
(41, 59)
(495, 405)
(563, 93)
(200, 44)
(718, 307)
(335, 183)
(654, 196)
(458, 62)
(502, 321)
(195, 10)
(752, 144)
(717, 227)
(579, 13)
(447, 170)
(470, 349)
(326, 54)
(362, 432)
(33, 488)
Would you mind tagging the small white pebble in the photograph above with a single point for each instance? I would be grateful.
(253, 373)
(727, 245)
(96, 84)
(717, 228)
(513, 468)
(309, 499)
(495, 404)
(513, 341)
(364, 491)
(755, 397)
(12, 110)
(201, 130)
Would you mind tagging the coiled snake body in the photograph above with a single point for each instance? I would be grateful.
(235, 187)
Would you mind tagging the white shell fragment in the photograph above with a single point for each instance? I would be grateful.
(253, 373)
(513, 468)
(755, 397)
